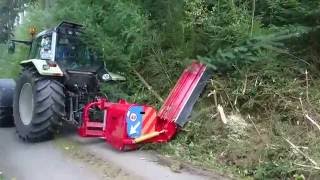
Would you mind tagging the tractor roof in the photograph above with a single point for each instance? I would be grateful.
(65, 24)
(62, 25)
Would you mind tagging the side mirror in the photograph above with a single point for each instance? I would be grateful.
(11, 47)
(109, 76)
(116, 77)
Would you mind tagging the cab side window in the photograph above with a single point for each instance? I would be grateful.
(41, 48)
(35, 50)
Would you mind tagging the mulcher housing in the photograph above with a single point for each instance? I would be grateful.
(126, 126)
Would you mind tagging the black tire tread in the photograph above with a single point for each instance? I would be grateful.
(49, 108)
(6, 117)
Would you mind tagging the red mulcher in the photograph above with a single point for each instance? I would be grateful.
(125, 126)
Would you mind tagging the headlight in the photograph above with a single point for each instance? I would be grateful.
(45, 67)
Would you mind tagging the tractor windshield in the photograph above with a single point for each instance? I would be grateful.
(73, 54)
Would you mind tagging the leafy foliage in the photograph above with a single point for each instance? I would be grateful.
(9, 11)
(259, 49)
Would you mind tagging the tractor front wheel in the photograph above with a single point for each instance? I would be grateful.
(38, 107)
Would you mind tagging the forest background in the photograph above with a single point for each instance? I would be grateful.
(266, 58)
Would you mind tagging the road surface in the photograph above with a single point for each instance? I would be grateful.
(24, 161)
(70, 157)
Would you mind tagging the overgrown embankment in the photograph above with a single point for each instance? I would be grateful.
(267, 74)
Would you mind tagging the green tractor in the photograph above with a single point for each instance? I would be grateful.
(61, 75)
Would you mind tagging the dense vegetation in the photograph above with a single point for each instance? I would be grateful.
(266, 57)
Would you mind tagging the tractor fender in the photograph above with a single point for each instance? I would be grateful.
(7, 87)
(43, 67)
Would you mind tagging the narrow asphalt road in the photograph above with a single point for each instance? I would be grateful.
(69, 157)
(23, 161)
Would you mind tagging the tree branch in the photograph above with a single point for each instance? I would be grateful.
(148, 86)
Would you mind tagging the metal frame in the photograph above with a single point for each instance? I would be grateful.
(22, 42)
(53, 45)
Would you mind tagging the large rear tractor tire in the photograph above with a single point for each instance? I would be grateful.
(6, 99)
(38, 106)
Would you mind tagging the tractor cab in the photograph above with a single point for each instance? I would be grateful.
(65, 46)
(62, 50)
